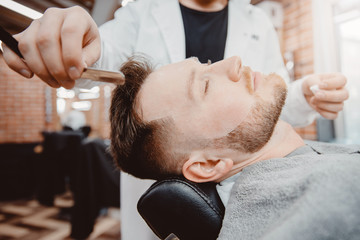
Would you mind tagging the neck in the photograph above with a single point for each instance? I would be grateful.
(283, 141)
(205, 5)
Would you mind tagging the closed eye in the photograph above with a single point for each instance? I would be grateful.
(206, 86)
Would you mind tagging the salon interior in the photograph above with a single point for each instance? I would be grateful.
(57, 179)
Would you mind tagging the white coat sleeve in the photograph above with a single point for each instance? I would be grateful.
(296, 111)
(118, 38)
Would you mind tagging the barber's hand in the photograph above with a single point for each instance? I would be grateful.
(57, 47)
(329, 100)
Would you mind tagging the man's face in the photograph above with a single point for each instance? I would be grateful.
(206, 101)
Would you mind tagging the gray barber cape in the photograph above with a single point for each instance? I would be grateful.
(313, 193)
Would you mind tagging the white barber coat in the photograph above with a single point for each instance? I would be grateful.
(155, 27)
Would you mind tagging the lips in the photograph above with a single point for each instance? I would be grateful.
(251, 78)
(247, 78)
(257, 79)
(252, 81)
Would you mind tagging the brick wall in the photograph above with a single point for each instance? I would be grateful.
(23, 104)
(297, 37)
(22, 107)
(98, 116)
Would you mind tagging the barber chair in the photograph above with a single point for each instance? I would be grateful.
(85, 164)
(56, 165)
(177, 208)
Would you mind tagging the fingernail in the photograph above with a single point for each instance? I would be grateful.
(25, 73)
(74, 73)
(84, 63)
(68, 84)
(55, 83)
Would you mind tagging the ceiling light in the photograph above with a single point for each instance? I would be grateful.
(95, 89)
(85, 96)
(124, 2)
(21, 9)
(81, 106)
(65, 93)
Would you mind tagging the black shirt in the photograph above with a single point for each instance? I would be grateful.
(205, 33)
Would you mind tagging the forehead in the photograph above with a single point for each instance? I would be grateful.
(164, 90)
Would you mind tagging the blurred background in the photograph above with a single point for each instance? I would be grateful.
(315, 35)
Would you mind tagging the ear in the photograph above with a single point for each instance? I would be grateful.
(200, 168)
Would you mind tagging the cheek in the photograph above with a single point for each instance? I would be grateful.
(270, 83)
(225, 113)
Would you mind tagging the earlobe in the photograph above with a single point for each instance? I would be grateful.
(199, 168)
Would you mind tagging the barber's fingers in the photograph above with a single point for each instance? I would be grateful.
(327, 114)
(330, 81)
(15, 62)
(329, 103)
(80, 41)
(28, 46)
(57, 46)
(327, 109)
(334, 96)
(326, 81)
(48, 43)
(308, 82)
(91, 52)
(329, 106)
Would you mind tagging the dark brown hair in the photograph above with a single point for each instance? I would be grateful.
(138, 148)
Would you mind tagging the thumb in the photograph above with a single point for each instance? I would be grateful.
(91, 52)
(14, 61)
(308, 82)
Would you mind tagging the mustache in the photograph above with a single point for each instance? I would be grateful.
(246, 74)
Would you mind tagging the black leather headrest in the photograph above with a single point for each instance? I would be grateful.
(189, 210)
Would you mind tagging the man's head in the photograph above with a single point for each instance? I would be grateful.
(190, 118)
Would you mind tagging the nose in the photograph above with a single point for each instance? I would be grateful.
(230, 66)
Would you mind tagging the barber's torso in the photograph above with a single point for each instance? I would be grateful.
(155, 28)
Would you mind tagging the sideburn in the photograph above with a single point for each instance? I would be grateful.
(254, 133)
